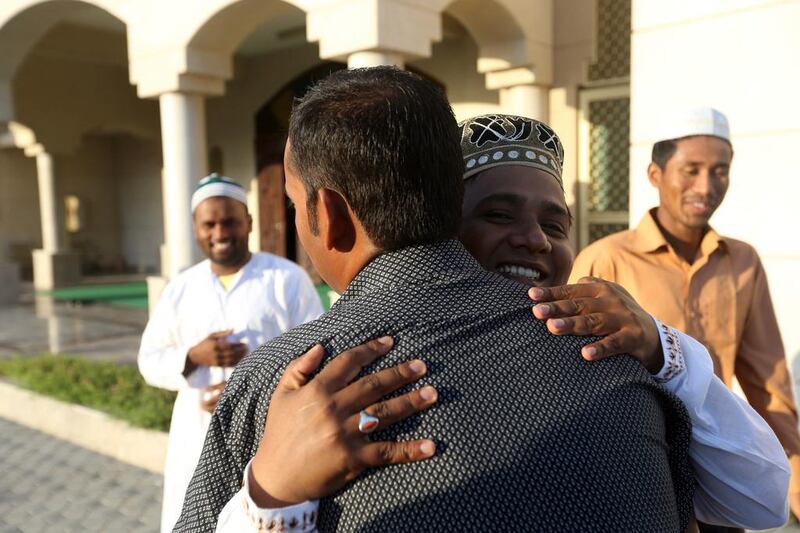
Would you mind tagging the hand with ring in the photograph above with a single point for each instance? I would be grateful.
(315, 433)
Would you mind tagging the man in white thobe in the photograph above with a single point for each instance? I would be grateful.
(209, 317)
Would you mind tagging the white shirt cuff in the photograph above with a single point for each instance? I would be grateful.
(299, 518)
(674, 361)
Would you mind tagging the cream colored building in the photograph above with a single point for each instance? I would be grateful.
(111, 110)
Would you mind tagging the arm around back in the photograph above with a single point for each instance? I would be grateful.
(763, 374)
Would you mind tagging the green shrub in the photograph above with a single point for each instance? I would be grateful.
(115, 389)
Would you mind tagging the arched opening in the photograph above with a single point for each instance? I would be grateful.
(276, 220)
(452, 65)
(67, 64)
(239, 26)
(22, 28)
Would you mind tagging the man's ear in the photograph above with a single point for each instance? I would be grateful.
(654, 174)
(336, 224)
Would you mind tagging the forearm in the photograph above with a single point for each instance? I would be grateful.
(164, 366)
(242, 514)
(741, 468)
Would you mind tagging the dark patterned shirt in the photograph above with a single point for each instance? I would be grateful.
(529, 435)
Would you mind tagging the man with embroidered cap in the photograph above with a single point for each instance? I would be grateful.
(209, 317)
(710, 286)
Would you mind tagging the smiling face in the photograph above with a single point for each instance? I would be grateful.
(221, 227)
(692, 183)
(515, 222)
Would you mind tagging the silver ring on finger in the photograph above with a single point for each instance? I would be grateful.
(367, 423)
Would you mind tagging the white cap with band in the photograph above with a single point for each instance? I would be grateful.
(216, 185)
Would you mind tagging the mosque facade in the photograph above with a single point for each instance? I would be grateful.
(111, 111)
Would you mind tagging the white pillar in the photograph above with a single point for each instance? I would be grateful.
(183, 141)
(48, 208)
(527, 100)
(374, 58)
(53, 265)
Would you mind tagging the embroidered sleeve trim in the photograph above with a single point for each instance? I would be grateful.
(674, 361)
(300, 518)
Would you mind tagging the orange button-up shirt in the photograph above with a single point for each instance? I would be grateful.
(721, 299)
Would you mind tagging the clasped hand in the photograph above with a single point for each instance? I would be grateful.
(597, 307)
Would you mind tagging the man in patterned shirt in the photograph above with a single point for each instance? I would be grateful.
(529, 434)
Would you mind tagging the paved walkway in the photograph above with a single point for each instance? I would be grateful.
(94, 331)
(47, 484)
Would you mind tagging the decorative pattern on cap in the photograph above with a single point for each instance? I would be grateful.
(216, 185)
(488, 141)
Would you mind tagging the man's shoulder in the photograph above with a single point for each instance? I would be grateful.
(260, 371)
(742, 249)
(622, 240)
(196, 273)
(600, 257)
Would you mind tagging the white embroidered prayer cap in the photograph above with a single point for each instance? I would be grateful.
(216, 185)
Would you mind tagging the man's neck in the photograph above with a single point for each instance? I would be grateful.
(685, 241)
(227, 270)
(347, 266)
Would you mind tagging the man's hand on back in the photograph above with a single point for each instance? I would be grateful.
(312, 445)
(597, 307)
(214, 350)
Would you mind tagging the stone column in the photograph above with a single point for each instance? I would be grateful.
(48, 209)
(374, 58)
(183, 141)
(53, 266)
(521, 92)
(181, 90)
(366, 34)
(526, 100)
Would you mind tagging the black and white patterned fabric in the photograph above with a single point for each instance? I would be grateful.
(489, 141)
(530, 436)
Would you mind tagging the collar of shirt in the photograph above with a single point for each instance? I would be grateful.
(410, 265)
(236, 277)
(649, 238)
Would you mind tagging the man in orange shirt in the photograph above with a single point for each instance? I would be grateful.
(712, 287)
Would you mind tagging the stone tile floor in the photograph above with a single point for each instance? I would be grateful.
(95, 331)
(47, 484)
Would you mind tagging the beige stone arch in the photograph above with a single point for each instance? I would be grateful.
(510, 33)
(224, 29)
(24, 22)
(515, 41)
(194, 50)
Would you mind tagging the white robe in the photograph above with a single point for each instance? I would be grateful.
(269, 296)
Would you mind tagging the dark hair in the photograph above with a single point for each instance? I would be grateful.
(388, 142)
(664, 150)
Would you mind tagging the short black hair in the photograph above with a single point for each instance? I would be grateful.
(387, 141)
(664, 150)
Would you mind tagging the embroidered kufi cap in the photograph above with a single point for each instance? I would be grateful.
(690, 122)
(489, 141)
(216, 185)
